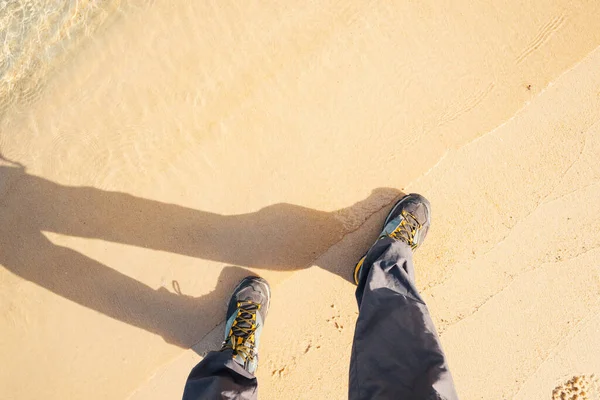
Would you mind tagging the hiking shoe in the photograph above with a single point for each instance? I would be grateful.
(246, 315)
(408, 221)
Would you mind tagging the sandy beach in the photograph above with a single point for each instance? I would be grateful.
(154, 154)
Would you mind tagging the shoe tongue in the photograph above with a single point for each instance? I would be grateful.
(244, 325)
(243, 321)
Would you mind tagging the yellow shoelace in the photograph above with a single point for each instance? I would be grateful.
(241, 335)
(407, 229)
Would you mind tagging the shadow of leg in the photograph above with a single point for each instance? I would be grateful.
(179, 319)
(280, 237)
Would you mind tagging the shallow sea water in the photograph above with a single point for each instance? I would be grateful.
(36, 34)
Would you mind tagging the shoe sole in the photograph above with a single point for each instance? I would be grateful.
(360, 263)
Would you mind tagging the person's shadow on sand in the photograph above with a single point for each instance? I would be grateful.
(278, 237)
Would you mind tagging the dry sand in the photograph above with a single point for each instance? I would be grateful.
(180, 147)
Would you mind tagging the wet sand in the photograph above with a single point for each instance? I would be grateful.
(175, 149)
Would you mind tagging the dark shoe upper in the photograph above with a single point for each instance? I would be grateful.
(246, 315)
(408, 221)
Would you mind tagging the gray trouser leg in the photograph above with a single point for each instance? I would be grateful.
(396, 352)
(217, 376)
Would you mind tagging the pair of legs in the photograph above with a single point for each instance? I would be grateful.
(396, 352)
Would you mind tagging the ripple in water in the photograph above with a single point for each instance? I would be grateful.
(37, 34)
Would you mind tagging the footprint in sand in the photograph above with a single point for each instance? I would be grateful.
(579, 387)
(335, 319)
